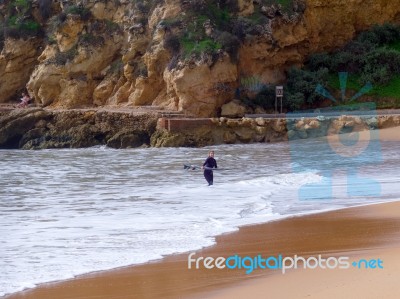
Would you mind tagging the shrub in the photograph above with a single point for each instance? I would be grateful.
(173, 62)
(103, 27)
(22, 6)
(171, 23)
(287, 6)
(53, 24)
(61, 58)
(198, 6)
(62, 17)
(144, 6)
(384, 57)
(87, 40)
(294, 101)
(191, 46)
(380, 66)
(299, 6)
(1, 36)
(117, 67)
(140, 70)
(96, 26)
(380, 76)
(140, 6)
(380, 35)
(265, 98)
(239, 29)
(79, 10)
(231, 5)
(366, 58)
(229, 43)
(45, 8)
(206, 45)
(17, 27)
(357, 47)
(112, 26)
(319, 60)
(172, 44)
(305, 82)
(51, 40)
(340, 61)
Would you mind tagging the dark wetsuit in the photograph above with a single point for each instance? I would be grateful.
(208, 173)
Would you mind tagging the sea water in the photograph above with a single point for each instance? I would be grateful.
(73, 211)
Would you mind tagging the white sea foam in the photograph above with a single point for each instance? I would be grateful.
(69, 212)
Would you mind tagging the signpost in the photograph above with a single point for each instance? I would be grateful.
(278, 94)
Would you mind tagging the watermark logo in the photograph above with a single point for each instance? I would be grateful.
(349, 140)
(343, 77)
(278, 262)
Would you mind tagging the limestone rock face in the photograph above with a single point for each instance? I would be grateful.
(39, 129)
(67, 36)
(233, 109)
(201, 90)
(118, 56)
(246, 7)
(71, 85)
(103, 91)
(17, 60)
(45, 83)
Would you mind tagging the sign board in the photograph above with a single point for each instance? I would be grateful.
(278, 94)
(279, 91)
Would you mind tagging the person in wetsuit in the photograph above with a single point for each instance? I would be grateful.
(209, 163)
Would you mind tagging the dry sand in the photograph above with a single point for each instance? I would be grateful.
(366, 283)
(325, 284)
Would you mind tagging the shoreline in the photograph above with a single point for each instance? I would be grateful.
(174, 280)
(160, 260)
(150, 271)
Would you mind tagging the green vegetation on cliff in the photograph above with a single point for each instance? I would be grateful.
(208, 26)
(373, 57)
(17, 21)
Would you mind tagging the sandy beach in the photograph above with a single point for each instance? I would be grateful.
(326, 284)
(367, 232)
(355, 282)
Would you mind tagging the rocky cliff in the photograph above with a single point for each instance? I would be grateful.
(162, 53)
(48, 128)
(42, 128)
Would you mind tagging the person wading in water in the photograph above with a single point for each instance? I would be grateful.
(207, 165)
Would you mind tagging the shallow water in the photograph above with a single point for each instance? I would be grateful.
(68, 212)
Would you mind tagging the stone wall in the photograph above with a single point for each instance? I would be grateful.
(192, 132)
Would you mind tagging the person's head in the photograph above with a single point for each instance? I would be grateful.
(211, 154)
